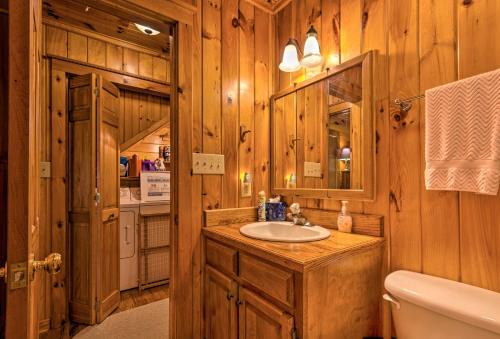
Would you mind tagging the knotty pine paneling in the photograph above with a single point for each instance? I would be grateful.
(421, 44)
(237, 82)
(105, 52)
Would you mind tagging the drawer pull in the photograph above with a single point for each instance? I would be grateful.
(229, 295)
(239, 302)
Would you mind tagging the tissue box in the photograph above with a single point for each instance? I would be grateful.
(275, 211)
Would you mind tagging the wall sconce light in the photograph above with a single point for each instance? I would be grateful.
(311, 56)
(291, 181)
(246, 185)
(290, 61)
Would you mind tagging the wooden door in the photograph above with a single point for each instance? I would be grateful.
(22, 164)
(93, 198)
(220, 306)
(258, 318)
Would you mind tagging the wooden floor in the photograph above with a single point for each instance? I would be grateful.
(131, 299)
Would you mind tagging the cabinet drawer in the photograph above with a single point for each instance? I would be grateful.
(272, 280)
(222, 257)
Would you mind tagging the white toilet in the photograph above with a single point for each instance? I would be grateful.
(428, 307)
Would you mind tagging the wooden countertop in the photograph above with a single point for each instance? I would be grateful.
(297, 256)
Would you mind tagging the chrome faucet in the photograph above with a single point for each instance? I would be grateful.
(297, 217)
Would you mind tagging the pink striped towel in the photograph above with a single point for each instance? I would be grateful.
(462, 135)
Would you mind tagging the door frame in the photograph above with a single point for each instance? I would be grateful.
(23, 176)
(185, 305)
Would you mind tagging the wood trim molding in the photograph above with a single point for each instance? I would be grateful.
(105, 38)
(121, 79)
(229, 216)
(366, 224)
(270, 6)
(137, 138)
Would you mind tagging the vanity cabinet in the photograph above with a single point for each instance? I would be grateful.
(255, 289)
(220, 305)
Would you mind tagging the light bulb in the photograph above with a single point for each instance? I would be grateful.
(312, 54)
(290, 61)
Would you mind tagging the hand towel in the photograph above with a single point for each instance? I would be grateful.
(462, 135)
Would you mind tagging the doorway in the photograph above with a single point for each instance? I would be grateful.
(109, 102)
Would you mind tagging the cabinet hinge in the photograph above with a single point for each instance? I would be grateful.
(294, 334)
(97, 92)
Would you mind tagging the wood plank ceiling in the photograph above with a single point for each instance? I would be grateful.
(95, 16)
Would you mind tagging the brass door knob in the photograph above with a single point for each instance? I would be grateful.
(52, 264)
(3, 272)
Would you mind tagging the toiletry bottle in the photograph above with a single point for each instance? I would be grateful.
(344, 220)
(261, 212)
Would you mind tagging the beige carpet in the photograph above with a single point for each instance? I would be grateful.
(145, 322)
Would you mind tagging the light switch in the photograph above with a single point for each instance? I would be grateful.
(208, 163)
(312, 169)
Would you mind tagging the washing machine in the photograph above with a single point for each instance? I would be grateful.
(129, 237)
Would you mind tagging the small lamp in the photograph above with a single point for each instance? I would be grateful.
(290, 61)
(345, 153)
(246, 185)
(312, 55)
(345, 156)
(291, 181)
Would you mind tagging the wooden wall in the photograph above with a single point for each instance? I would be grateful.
(139, 111)
(237, 78)
(422, 44)
(102, 51)
(4, 38)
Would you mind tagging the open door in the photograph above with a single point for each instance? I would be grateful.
(94, 236)
(23, 175)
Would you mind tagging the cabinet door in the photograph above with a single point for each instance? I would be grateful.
(258, 318)
(220, 306)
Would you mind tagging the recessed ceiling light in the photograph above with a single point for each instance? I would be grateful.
(147, 30)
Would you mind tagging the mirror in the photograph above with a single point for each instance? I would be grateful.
(323, 139)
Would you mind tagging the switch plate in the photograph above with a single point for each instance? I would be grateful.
(312, 169)
(208, 163)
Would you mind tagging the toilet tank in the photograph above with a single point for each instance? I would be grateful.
(428, 307)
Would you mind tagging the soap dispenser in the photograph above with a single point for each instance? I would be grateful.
(344, 220)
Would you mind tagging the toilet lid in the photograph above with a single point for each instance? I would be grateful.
(473, 305)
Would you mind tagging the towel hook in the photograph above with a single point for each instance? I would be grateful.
(406, 104)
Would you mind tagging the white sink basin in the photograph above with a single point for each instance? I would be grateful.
(284, 232)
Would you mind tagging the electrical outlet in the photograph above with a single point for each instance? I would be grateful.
(312, 169)
(208, 163)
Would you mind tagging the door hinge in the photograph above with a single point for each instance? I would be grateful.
(97, 92)
(294, 334)
(97, 197)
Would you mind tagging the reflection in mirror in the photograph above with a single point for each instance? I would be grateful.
(344, 123)
(323, 134)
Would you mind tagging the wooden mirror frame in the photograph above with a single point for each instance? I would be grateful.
(367, 193)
